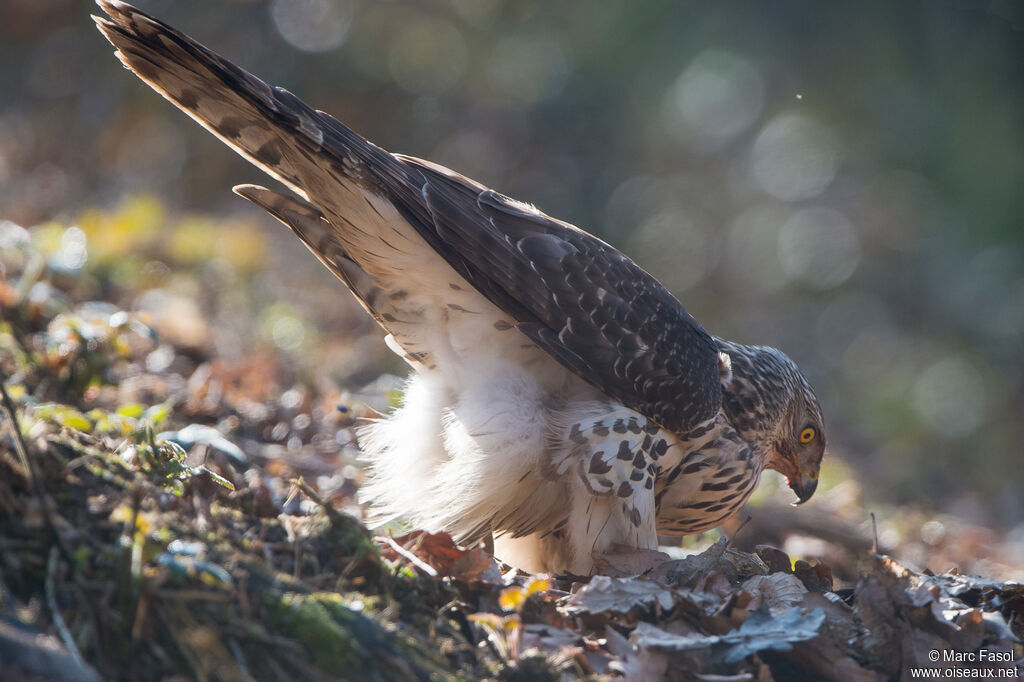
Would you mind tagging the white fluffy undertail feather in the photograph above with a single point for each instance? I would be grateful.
(492, 457)
(446, 464)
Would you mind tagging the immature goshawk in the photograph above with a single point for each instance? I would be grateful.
(561, 399)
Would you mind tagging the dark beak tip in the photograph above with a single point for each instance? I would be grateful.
(804, 490)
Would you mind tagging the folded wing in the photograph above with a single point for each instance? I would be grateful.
(370, 216)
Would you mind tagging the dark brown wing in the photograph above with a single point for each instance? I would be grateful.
(583, 302)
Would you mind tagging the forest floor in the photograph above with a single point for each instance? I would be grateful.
(166, 514)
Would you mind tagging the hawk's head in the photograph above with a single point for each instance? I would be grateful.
(769, 402)
(799, 442)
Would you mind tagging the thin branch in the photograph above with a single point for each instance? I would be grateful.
(409, 556)
(736, 532)
(333, 514)
(874, 531)
(19, 440)
(51, 603)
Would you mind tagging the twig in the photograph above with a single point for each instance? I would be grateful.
(874, 533)
(412, 558)
(736, 532)
(299, 483)
(775, 520)
(51, 602)
(19, 440)
(333, 514)
(239, 655)
(32, 476)
(193, 595)
(20, 340)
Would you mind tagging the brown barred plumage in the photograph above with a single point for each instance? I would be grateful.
(561, 398)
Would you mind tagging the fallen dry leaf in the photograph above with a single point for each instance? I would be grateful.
(761, 631)
(778, 592)
(816, 577)
(684, 572)
(439, 552)
(623, 562)
(623, 600)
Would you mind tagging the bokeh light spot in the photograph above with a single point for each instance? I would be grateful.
(933, 532)
(718, 96)
(312, 25)
(288, 333)
(73, 252)
(677, 247)
(13, 236)
(819, 247)
(794, 157)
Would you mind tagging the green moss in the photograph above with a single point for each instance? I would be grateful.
(307, 620)
(340, 638)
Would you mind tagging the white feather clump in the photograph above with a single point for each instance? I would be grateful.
(448, 460)
(490, 451)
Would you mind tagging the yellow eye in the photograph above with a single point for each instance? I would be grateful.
(808, 434)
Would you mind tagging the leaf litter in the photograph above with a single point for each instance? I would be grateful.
(167, 514)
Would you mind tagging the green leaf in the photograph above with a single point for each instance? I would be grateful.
(175, 469)
(73, 419)
(171, 450)
(157, 413)
(131, 410)
(218, 479)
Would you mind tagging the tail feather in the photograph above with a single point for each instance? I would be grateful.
(309, 224)
(269, 126)
(358, 201)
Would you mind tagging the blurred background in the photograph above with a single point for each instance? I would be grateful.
(844, 181)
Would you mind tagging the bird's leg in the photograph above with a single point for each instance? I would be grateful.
(488, 541)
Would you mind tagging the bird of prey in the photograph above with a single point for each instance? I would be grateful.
(561, 400)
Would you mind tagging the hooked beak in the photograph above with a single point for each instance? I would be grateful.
(800, 469)
(804, 486)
